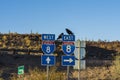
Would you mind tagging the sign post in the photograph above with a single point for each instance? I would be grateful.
(48, 47)
(79, 53)
(68, 48)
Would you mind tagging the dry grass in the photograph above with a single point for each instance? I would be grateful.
(91, 73)
(37, 74)
(101, 73)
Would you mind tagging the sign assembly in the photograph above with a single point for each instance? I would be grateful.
(48, 47)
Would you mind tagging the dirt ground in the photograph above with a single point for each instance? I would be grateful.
(9, 64)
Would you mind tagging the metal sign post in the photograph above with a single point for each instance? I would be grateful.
(48, 47)
(79, 53)
(47, 72)
(68, 49)
(68, 68)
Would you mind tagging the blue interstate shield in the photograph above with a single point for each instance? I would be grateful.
(48, 48)
(68, 49)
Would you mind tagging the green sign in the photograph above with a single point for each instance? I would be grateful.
(20, 70)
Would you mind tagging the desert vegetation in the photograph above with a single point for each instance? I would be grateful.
(91, 73)
(20, 41)
(96, 51)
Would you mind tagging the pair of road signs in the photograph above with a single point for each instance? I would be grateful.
(50, 60)
(48, 47)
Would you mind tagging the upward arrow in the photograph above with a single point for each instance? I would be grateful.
(48, 60)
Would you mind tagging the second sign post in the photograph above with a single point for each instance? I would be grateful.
(68, 48)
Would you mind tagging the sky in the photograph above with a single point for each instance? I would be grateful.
(87, 19)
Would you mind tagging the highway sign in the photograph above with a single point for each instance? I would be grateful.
(48, 48)
(68, 60)
(20, 70)
(47, 60)
(50, 37)
(68, 47)
(48, 44)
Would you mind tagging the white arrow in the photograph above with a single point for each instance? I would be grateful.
(48, 60)
(68, 60)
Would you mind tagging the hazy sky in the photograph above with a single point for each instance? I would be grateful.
(91, 19)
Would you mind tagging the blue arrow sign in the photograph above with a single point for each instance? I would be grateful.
(68, 60)
(47, 60)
